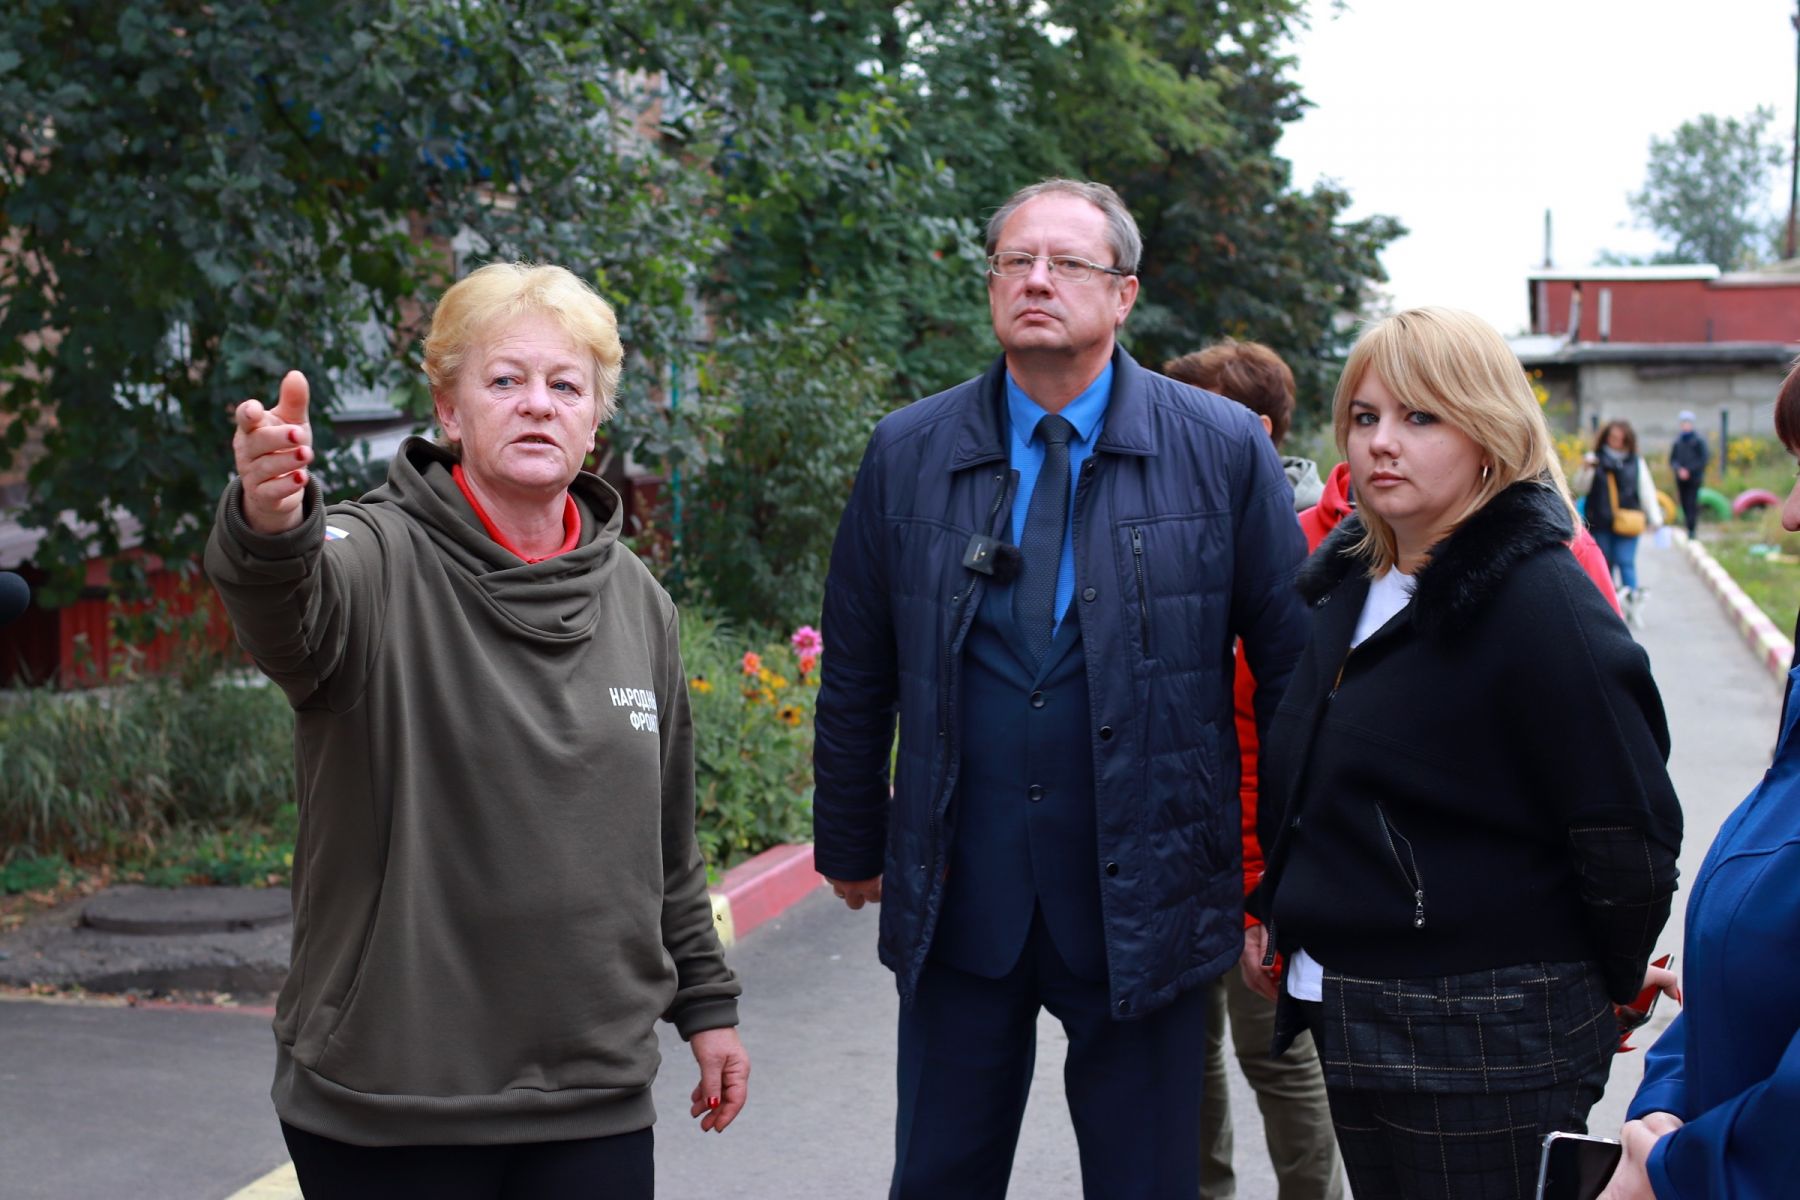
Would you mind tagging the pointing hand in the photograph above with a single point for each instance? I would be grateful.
(273, 448)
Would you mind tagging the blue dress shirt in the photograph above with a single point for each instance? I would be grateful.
(1087, 413)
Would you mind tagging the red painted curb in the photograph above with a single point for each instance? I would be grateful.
(768, 885)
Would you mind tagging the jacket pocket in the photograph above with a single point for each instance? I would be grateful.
(1406, 862)
(1482, 994)
(1143, 585)
(1504, 1030)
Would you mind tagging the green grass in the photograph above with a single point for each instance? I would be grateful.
(1772, 581)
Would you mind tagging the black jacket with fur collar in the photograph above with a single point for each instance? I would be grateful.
(1468, 788)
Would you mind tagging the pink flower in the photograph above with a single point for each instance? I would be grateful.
(752, 662)
(806, 640)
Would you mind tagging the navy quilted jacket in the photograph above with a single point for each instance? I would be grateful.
(1185, 541)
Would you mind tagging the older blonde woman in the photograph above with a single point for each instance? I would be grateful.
(496, 886)
(1471, 833)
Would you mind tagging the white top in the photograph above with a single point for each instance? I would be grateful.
(1388, 594)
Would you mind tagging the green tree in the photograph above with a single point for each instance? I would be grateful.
(195, 196)
(786, 205)
(857, 222)
(1231, 247)
(1707, 191)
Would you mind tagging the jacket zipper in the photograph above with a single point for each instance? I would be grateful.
(1137, 558)
(956, 620)
(1414, 879)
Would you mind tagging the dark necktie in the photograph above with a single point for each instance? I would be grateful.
(1046, 520)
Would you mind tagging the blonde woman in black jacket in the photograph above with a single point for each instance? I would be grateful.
(1473, 836)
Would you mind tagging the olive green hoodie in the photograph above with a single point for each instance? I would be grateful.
(496, 885)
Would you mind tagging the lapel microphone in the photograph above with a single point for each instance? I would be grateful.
(990, 556)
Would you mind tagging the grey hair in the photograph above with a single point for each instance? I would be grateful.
(1122, 237)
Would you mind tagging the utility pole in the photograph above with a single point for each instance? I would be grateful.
(1793, 221)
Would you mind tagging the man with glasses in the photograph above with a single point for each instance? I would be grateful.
(1041, 573)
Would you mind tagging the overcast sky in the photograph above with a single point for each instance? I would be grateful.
(1468, 120)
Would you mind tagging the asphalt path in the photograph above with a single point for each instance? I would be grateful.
(101, 1101)
(104, 1101)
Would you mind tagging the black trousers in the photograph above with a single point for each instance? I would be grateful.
(1689, 492)
(622, 1167)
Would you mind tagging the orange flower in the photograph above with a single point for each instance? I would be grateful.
(807, 663)
(700, 683)
(752, 662)
(789, 715)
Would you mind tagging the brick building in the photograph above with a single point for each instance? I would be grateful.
(1643, 343)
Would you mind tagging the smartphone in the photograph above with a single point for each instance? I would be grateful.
(1575, 1166)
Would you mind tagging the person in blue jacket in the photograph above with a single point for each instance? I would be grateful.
(1042, 573)
(1716, 1114)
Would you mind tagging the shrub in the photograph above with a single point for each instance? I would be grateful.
(798, 403)
(752, 736)
(34, 873)
(196, 784)
(89, 774)
(236, 855)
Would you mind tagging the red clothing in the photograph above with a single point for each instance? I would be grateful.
(1587, 553)
(571, 522)
(1316, 522)
(1332, 507)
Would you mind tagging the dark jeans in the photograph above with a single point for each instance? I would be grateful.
(622, 1167)
(1621, 555)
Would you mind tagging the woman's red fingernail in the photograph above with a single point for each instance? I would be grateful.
(712, 1102)
(293, 435)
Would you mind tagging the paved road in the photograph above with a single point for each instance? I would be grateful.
(104, 1103)
(1722, 706)
(111, 1102)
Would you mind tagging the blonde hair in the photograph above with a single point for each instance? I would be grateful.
(499, 292)
(1456, 367)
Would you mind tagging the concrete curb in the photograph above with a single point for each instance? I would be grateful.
(1771, 647)
(763, 888)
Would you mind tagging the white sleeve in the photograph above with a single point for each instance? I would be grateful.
(1648, 495)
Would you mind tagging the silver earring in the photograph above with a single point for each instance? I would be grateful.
(1485, 468)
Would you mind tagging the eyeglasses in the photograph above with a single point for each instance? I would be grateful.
(1064, 268)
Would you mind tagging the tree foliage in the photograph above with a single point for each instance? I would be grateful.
(784, 202)
(1707, 191)
(198, 196)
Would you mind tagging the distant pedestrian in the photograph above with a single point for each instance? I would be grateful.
(1714, 1116)
(1688, 458)
(497, 891)
(1470, 829)
(1290, 1089)
(1621, 503)
(1041, 574)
